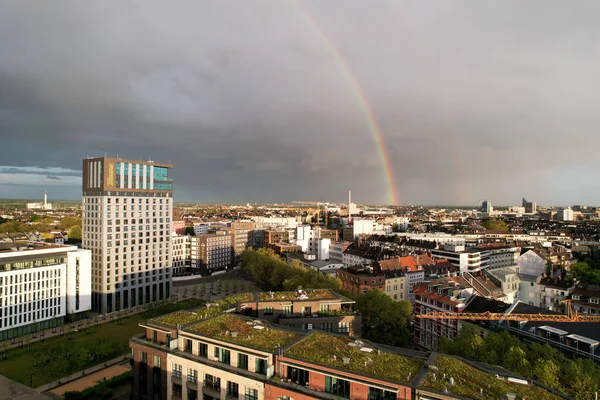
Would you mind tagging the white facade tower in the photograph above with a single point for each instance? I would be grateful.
(127, 214)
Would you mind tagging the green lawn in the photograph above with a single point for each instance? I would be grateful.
(59, 357)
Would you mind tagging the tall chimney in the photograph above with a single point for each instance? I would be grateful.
(349, 205)
(45, 199)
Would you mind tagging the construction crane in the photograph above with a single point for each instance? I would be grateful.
(571, 316)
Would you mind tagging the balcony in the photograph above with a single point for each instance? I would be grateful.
(232, 395)
(320, 314)
(212, 388)
(141, 339)
(307, 390)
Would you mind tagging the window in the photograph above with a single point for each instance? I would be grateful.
(306, 310)
(324, 308)
(338, 387)
(177, 390)
(380, 394)
(233, 389)
(177, 368)
(144, 357)
(298, 375)
(188, 346)
(203, 350)
(343, 327)
(222, 355)
(268, 311)
(251, 394)
(242, 361)
(212, 382)
(192, 375)
(327, 327)
(156, 362)
(287, 310)
(192, 394)
(261, 366)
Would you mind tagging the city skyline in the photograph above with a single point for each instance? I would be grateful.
(449, 105)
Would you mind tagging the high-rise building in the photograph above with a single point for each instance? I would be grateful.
(530, 206)
(486, 207)
(127, 212)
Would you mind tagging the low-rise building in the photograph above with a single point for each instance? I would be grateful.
(359, 280)
(585, 298)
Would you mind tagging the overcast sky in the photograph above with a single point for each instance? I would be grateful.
(475, 99)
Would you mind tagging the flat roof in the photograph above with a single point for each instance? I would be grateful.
(361, 355)
(583, 339)
(553, 330)
(21, 247)
(244, 331)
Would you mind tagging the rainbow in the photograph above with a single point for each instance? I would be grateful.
(362, 101)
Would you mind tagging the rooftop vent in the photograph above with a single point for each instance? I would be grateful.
(366, 349)
(346, 360)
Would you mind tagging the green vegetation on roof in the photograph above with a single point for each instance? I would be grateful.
(468, 382)
(208, 310)
(231, 328)
(313, 294)
(178, 318)
(321, 348)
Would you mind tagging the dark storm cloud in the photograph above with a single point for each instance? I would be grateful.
(475, 100)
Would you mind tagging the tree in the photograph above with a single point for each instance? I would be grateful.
(546, 371)
(494, 224)
(189, 230)
(75, 233)
(582, 272)
(384, 320)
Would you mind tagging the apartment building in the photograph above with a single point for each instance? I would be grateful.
(180, 253)
(212, 252)
(359, 280)
(585, 298)
(127, 211)
(467, 259)
(311, 309)
(449, 295)
(40, 284)
(336, 251)
(241, 237)
(210, 353)
(271, 236)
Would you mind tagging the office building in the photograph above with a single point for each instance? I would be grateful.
(40, 284)
(212, 252)
(127, 211)
(180, 253)
(486, 207)
(530, 206)
(242, 237)
(565, 214)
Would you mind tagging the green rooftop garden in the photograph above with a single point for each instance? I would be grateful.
(468, 382)
(179, 318)
(231, 328)
(208, 310)
(313, 294)
(331, 350)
